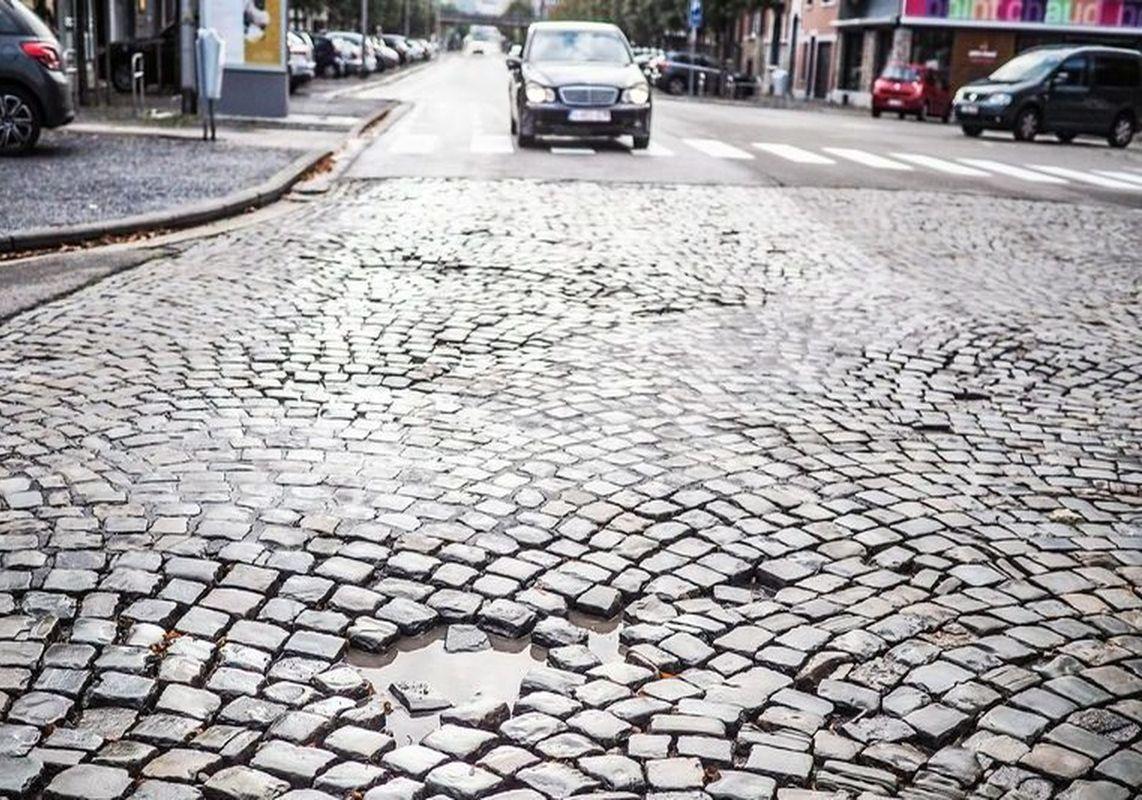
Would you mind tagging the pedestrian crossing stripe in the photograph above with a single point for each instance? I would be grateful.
(867, 159)
(718, 149)
(492, 143)
(1088, 177)
(1012, 171)
(794, 154)
(940, 165)
(1127, 179)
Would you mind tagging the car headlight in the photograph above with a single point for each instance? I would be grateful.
(639, 94)
(999, 99)
(538, 94)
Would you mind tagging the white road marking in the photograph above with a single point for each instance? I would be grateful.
(653, 150)
(492, 143)
(791, 153)
(1012, 171)
(1088, 177)
(414, 144)
(573, 151)
(940, 165)
(1129, 177)
(868, 159)
(717, 149)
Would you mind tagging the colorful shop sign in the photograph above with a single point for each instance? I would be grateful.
(1118, 14)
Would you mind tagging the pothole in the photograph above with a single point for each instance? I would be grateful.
(436, 676)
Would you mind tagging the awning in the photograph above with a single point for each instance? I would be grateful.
(865, 22)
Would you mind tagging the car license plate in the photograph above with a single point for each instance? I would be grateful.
(894, 102)
(589, 115)
(969, 109)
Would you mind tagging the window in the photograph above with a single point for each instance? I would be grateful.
(1072, 72)
(7, 21)
(1117, 72)
(577, 45)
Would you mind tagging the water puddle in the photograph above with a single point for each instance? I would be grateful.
(461, 677)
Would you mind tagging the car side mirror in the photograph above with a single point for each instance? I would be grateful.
(514, 63)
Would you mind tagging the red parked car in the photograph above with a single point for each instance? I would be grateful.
(911, 89)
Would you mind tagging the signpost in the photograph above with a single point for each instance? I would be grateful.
(695, 24)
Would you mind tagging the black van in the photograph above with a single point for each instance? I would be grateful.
(1066, 90)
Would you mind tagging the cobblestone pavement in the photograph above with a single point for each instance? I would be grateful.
(867, 502)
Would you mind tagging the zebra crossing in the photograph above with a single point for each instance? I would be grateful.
(824, 157)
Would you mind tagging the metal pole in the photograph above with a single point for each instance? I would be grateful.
(693, 53)
(407, 21)
(364, 35)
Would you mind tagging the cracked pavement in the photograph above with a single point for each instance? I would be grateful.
(864, 503)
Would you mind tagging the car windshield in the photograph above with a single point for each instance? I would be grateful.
(1027, 67)
(900, 72)
(598, 46)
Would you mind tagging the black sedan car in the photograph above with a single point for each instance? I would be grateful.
(34, 91)
(577, 79)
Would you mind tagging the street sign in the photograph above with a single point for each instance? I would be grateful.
(695, 14)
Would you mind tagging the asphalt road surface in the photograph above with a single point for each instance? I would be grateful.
(455, 124)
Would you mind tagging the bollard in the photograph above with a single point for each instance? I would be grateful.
(138, 82)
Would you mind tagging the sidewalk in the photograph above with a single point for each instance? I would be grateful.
(110, 167)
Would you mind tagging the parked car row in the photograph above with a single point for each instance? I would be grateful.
(677, 72)
(336, 54)
(34, 92)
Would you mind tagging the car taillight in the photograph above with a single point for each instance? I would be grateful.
(44, 52)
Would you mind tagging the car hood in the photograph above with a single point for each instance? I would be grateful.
(985, 86)
(564, 74)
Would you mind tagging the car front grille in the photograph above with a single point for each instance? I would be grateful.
(589, 95)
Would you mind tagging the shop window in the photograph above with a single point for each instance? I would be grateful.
(852, 47)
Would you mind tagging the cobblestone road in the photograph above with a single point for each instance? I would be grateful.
(868, 504)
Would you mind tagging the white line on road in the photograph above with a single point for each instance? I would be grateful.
(940, 165)
(791, 153)
(653, 150)
(1130, 177)
(1012, 171)
(868, 159)
(414, 144)
(716, 149)
(573, 151)
(1087, 177)
(493, 143)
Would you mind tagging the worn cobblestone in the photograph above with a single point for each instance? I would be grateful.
(867, 503)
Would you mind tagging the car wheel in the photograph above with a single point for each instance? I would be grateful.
(19, 121)
(641, 142)
(1122, 131)
(676, 86)
(1026, 125)
(876, 113)
(971, 130)
(900, 115)
(1065, 138)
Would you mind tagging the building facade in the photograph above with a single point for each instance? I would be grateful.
(834, 49)
(968, 39)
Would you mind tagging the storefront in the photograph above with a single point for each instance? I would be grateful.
(968, 39)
